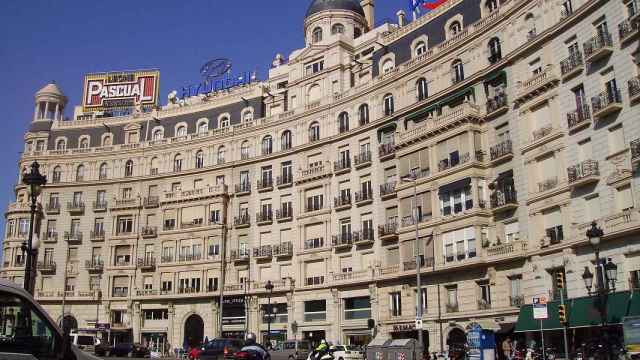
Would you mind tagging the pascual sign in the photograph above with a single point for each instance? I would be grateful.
(121, 90)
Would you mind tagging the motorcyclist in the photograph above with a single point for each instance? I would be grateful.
(321, 349)
(252, 346)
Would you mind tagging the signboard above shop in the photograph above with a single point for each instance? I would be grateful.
(121, 90)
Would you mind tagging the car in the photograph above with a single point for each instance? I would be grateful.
(85, 342)
(103, 349)
(220, 349)
(130, 350)
(347, 352)
(291, 350)
(28, 332)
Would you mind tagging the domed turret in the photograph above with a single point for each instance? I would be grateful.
(50, 103)
(330, 19)
(318, 6)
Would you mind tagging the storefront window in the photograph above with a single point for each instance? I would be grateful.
(315, 310)
(357, 308)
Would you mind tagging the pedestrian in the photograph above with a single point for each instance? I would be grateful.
(507, 348)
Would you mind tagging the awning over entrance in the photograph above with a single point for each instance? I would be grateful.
(582, 312)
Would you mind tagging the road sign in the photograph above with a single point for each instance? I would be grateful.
(418, 324)
(540, 308)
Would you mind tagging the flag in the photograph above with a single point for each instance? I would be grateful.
(426, 5)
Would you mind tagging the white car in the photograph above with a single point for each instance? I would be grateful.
(347, 352)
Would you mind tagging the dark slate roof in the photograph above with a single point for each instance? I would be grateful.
(324, 5)
(38, 126)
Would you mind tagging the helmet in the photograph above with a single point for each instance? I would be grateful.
(251, 337)
(323, 342)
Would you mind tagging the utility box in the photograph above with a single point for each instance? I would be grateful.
(398, 349)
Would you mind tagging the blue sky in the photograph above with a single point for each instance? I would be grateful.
(61, 40)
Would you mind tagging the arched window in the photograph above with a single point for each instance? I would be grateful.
(457, 70)
(247, 115)
(107, 141)
(314, 131)
(102, 173)
(221, 155)
(224, 122)
(84, 143)
(177, 163)
(203, 128)
(337, 29)
(154, 166)
(267, 145)
(357, 32)
(181, 131)
(61, 144)
(80, 173)
(57, 175)
(530, 22)
(128, 168)
(491, 5)
(387, 66)
(387, 102)
(244, 150)
(495, 50)
(363, 114)
(455, 28)
(158, 134)
(421, 48)
(343, 122)
(286, 140)
(199, 159)
(316, 35)
(421, 89)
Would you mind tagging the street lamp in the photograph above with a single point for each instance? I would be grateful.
(34, 180)
(414, 180)
(269, 287)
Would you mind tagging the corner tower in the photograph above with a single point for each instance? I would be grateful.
(327, 19)
(50, 103)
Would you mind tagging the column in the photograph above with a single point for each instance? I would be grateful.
(46, 110)
(57, 114)
(170, 330)
(137, 322)
(214, 327)
(35, 112)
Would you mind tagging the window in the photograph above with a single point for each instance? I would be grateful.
(459, 244)
(632, 8)
(337, 29)
(224, 122)
(452, 298)
(267, 145)
(553, 225)
(316, 35)
(286, 140)
(421, 89)
(203, 127)
(387, 66)
(314, 132)
(530, 22)
(315, 310)
(128, 168)
(221, 155)
(177, 163)
(199, 159)
(107, 141)
(395, 303)
(387, 102)
(363, 114)
(455, 201)
(343, 122)
(457, 69)
(315, 203)
(423, 298)
(357, 308)
(485, 294)
(158, 134)
(244, 150)
(495, 51)
(84, 143)
(616, 140)
(535, 66)
(286, 169)
(80, 173)
(491, 5)
(57, 175)
(247, 116)
(512, 232)
(181, 131)
(314, 68)
(455, 28)
(421, 48)
(125, 225)
(102, 174)
(61, 144)
(567, 8)
(624, 198)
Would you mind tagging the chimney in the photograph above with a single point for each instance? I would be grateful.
(401, 18)
(369, 13)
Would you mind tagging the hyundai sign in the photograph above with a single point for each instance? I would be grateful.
(121, 90)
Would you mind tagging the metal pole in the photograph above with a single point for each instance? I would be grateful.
(564, 329)
(28, 271)
(418, 265)
(544, 355)
(269, 317)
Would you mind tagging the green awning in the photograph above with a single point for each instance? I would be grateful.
(420, 113)
(391, 127)
(526, 322)
(496, 75)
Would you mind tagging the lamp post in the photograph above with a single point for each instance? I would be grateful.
(414, 180)
(34, 180)
(269, 287)
(606, 275)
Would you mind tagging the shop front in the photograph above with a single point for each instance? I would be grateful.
(156, 341)
(314, 336)
(234, 317)
(408, 331)
(275, 337)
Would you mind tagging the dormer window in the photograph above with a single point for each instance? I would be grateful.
(387, 66)
(132, 137)
(157, 134)
(455, 28)
(247, 116)
(181, 131)
(316, 35)
(84, 143)
(61, 144)
(421, 48)
(224, 122)
(491, 5)
(203, 128)
(337, 29)
(107, 141)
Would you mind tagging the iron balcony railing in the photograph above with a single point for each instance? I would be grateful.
(265, 183)
(151, 201)
(47, 266)
(286, 212)
(243, 187)
(627, 28)
(496, 102)
(364, 196)
(634, 86)
(149, 231)
(53, 208)
(344, 238)
(596, 43)
(342, 164)
(579, 116)
(240, 254)
(94, 265)
(147, 262)
(315, 243)
(583, 170)
(189, 257)
(605, 98)
(100, 205)
(362, 158)
(284, 179)
(50, 236)
(571, 63)
(263, 251)
(284, 249)
(96, 235)
(635, 149)
(499, 150)
(342, 200)
(502, 197)
(73, 236)
(264, 216)
(388, 188)
(386, 149)
(516, 301)
(542, 132)
(75, 206)
(242, 220)
(547, 184)
(388, 229)
(364, 235)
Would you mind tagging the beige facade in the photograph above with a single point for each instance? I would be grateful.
(508, 173)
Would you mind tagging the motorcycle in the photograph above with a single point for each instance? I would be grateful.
(327, 356)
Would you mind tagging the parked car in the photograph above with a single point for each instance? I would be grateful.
(103, 349)
(220, 349)
(130, 350)
(85, 342)
(291, 350)
(347, 352)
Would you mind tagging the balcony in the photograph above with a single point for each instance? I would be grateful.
(342, 241)
(496, 106)
(284, 214)
(73, 237)
(123, 204)
(148, 263)
(264, 217)
(364, 237)
(195, 194)
(452, 162)
(315, 243)
(263, 252)
(284, 181)
(47, 266)
(96, 236)
(364, 197)
(537, 84)
(243, 189)
(467, 112)
(238, 256)
(283, 250)
(75, 207)
(313, 173)
(187, 258)
(503, 200)
(572, 66)
(151, 202)
(52, 208)
(265, 184)
(388, 231)
(241, 221)
(501, 152)
(411, 220)
(452, 308)
(149, 232)
(362, 160)
(100, 206)
(507, 250)
(342, 166)
(598, 47)
(548, 184)
(484, 304)
(634, 90)
(388, 190)
(516, 301)
(541, 133)
(460, 256)
(628, 30)
(584, 173)
(119, 293)
(94, 266)
(342, 202)
(635, 151)
(386, 151)
(579, 118)
(606, 103)
(50, 237)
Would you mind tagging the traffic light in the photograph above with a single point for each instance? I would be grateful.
(562, 313)
(560, 280)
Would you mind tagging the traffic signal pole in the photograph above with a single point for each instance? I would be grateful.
(562, 313)
(564, 328)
